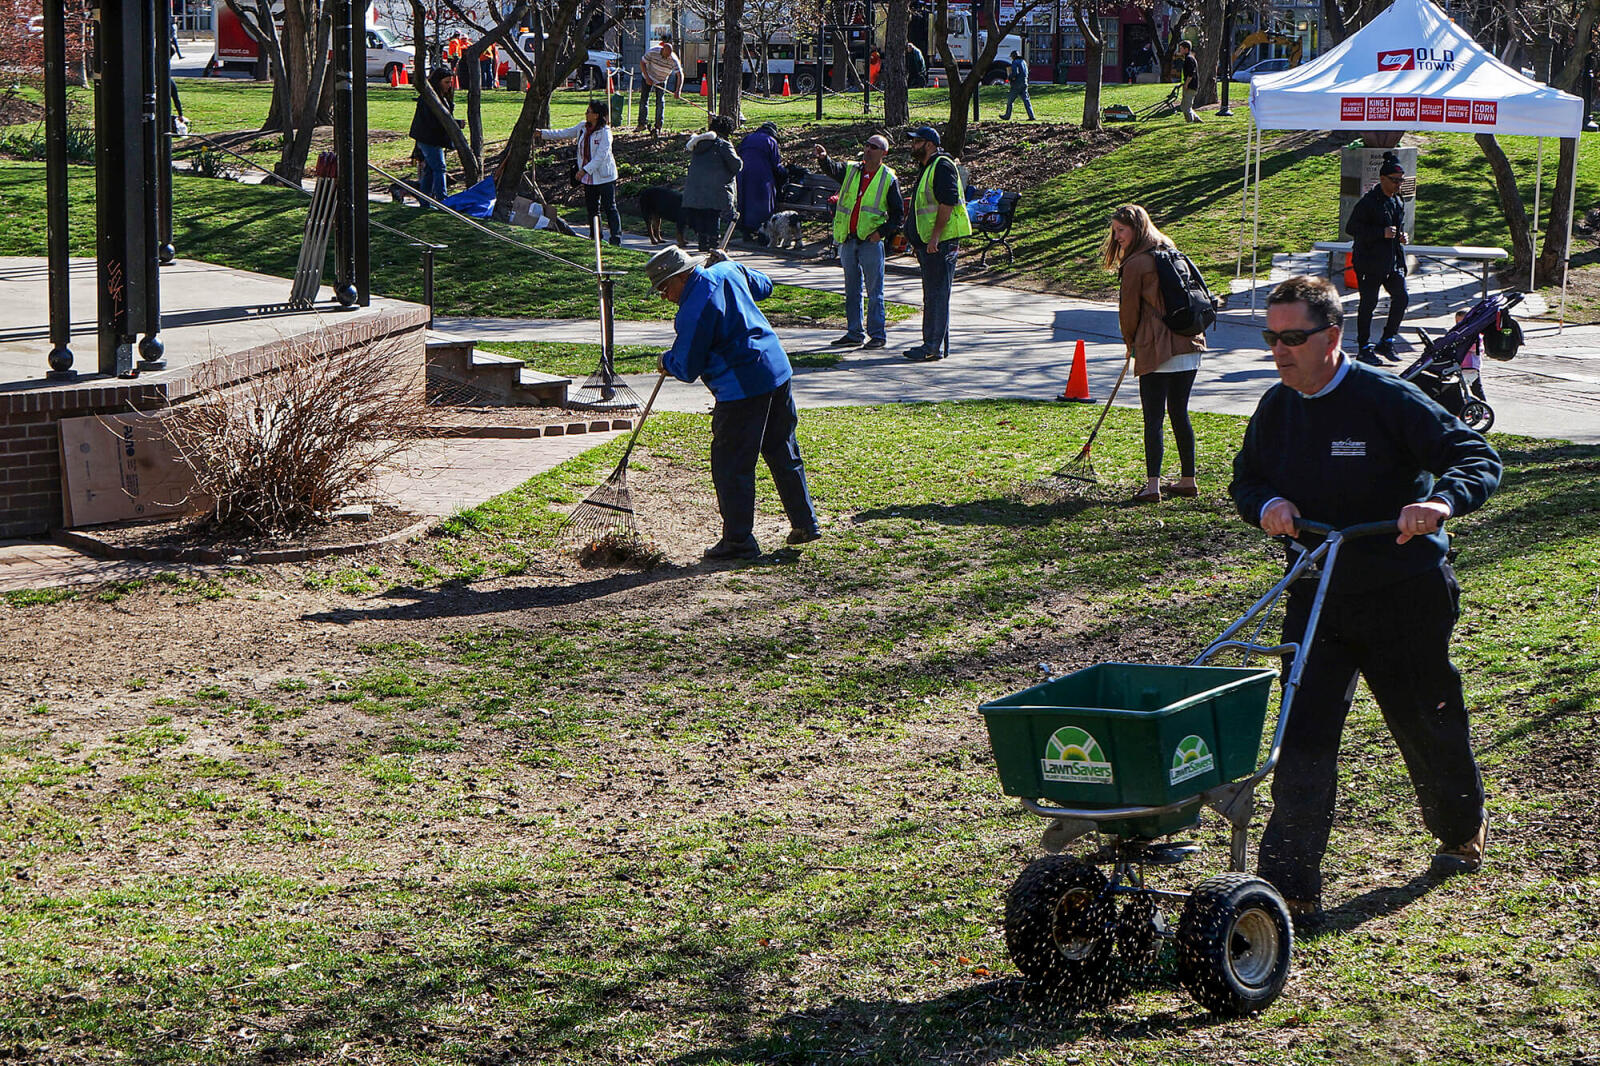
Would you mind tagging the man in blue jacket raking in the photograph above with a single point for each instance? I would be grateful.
(1341, 444)
(725, 341)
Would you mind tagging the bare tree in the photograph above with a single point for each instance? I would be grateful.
(1094, 51)
(896, 94)
(298, 61)
(962, 89)
(764, 20)
(471, 165)
(499, 33)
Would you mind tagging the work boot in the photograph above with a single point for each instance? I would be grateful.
(1464, 858)
(875, 342)
(734, 549)
(1305, 913)
(849, 340)
(803, 536)
(1368, 355)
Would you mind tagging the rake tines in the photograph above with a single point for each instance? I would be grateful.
(605, 512)
(605, 391)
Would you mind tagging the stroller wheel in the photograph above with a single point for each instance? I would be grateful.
(1477, 415)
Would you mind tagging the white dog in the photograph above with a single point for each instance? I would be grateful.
(782, 230)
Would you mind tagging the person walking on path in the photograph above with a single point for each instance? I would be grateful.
(656, 68)
(1341, 444)
(1189, 80)
(597, 166)
(1378, 255)
(869, 213)
(916, 67)
(937, 224)
(724, 340)
(1164, 362)
(708, 188)
(431, 135)
(1017, 75)
(759, 180)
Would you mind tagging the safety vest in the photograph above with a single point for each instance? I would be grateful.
(873, 212)
(927, 208)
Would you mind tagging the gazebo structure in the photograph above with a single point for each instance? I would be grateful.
(1410, 68)
(133, 186)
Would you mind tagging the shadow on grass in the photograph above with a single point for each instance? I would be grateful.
(990, 1022)
(452, 600)
(1376, 903)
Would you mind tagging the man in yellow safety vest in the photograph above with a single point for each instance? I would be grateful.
(869, 213)
(938, 222)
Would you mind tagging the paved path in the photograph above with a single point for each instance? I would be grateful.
(1006, 343)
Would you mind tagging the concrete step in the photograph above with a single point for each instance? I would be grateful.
(458, 371)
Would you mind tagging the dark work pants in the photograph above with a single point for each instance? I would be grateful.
(742, 429)
(1368, 285)
(938, 277)
(705, 223)
(601, 200)
(1398, 639)
(1167, 394)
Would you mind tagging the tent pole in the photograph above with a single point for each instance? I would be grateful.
(1538, 193)
(1244, 198)
(1572, 207)
(1255, 236)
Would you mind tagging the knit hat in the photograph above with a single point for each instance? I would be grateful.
(1391, 165)
(668, 264)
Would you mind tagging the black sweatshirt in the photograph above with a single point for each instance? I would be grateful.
(1360, 454)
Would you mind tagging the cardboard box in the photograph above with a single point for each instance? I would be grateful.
(115, 468)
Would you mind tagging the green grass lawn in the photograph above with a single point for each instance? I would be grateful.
(260, 228)
(707, 816)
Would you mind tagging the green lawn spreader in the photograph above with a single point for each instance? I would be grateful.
(1133, 753)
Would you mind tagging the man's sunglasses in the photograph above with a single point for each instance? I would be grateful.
(1294, 338)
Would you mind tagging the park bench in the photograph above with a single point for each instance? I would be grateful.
(995, 227)
(809, 198)
(1338, 249)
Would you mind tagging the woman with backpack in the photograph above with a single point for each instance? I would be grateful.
(1164, 361)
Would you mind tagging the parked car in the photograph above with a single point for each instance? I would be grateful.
(385, 56)
(1266, 66)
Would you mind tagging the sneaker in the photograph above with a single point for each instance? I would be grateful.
(917, 354)
(849, 340)
(1385, 348)
(1464, 858)
(924, 355)
(803, 536)
(875, 342)
(734, 549)
(1369, 356)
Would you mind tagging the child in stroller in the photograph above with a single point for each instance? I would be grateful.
(1448, 369)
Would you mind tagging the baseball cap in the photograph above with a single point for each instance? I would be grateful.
(924, 133)
(879, 141)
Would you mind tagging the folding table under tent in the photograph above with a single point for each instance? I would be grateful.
(1410, 68)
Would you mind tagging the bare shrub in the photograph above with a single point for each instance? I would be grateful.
(279, 452)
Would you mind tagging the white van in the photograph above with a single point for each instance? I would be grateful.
(385, 55)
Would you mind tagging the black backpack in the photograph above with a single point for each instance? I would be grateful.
(1188, 308)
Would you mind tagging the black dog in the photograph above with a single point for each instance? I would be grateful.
(659, 204)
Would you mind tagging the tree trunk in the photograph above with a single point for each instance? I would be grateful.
(1333, 21)
(1211, 19)
(896, 98)
(292, 161)
(1548, 269)
(1094, 51)
(1511, 206)
(555, 59)
(732, 81)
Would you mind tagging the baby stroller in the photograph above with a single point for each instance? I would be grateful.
(1437, 371)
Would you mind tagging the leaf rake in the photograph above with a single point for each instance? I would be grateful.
(607, 512)
(605, 390)
(1081, 468)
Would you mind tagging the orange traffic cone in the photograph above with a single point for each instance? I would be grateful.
(704, 87)
(1077, 389)
(394, 76)
(405, 76)
(786, 85)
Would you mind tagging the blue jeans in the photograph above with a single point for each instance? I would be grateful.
(644, 98)
(742, 429)
(938, 275)
(1016, 91)
(432, 170)
(863, 260)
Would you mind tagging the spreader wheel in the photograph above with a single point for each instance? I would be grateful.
(1060, 926)
(1234, 941)
(1477, 415)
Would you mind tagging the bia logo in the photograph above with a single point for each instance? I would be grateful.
(1400, 59)
(1417, 59)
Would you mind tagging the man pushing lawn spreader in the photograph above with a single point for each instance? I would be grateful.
(1366, 469)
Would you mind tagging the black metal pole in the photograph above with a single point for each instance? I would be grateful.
(55, 179)
(1225, 56)
(119, 178)
(866, 82)
(345, 21)
(427, 281)
(165, 252)
(361, 238)
(151, 350)
(973, 72)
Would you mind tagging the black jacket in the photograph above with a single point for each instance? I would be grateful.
(1371, 252)
(426, 129)
(1359, 454)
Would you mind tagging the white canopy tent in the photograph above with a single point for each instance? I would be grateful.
(1411, 68)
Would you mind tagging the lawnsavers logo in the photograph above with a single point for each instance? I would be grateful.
(1417, 59)
(1190, 758)
(1074, 756)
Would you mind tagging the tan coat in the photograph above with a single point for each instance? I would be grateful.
(1139, 314)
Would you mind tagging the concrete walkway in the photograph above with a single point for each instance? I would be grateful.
(1006, 343)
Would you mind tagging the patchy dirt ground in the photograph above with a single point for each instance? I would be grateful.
(14, 110)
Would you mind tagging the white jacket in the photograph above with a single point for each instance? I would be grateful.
(602, 165)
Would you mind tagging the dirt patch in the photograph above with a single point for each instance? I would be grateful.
(15, 111)
(188, 539)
